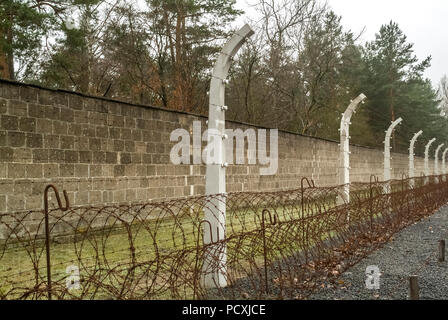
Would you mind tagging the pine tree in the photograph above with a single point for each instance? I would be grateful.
(73, 62)
(23, 23)
(190, 29)
(391, 67)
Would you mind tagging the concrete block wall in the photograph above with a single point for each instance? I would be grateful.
(103, 151)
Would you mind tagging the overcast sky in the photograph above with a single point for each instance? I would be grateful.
(423, 22)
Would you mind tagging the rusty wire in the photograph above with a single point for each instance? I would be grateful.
(278, 245)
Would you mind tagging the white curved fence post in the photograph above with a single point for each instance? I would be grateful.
(387, 158)
(436, 162)
(411, 158)
(444, 163)
(215, 256)
(344, 168)
(428, 145)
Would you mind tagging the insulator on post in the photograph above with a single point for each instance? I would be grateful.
(225, 165)
(224, 108)
(225, 81)
(225, 136)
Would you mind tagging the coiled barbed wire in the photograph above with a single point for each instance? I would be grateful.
(276, 244)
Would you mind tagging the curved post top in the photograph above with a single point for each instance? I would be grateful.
(444, 153)
(219, 77)
(438, 148)
(428, 145)
(392, 127)
(414, 138)
(352, 107)
(215, 175)
(222, 65)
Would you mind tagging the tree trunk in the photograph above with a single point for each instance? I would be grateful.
(179, 91)
(4, 66)
(85, 72)
(6, 59)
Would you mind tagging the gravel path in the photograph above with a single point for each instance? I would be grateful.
(413, 251)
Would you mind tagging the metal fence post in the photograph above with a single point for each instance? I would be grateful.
(444, 164)
(411, 159)
(414, 290)
(273, 221)
(344, 167)
(215, 183)
(428, 145)
(47, 228)
(442, 251)
(436, 162)
(444, 161)
(371, 213)
(387, 147)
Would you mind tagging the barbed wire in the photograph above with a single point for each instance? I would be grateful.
(274, 244)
